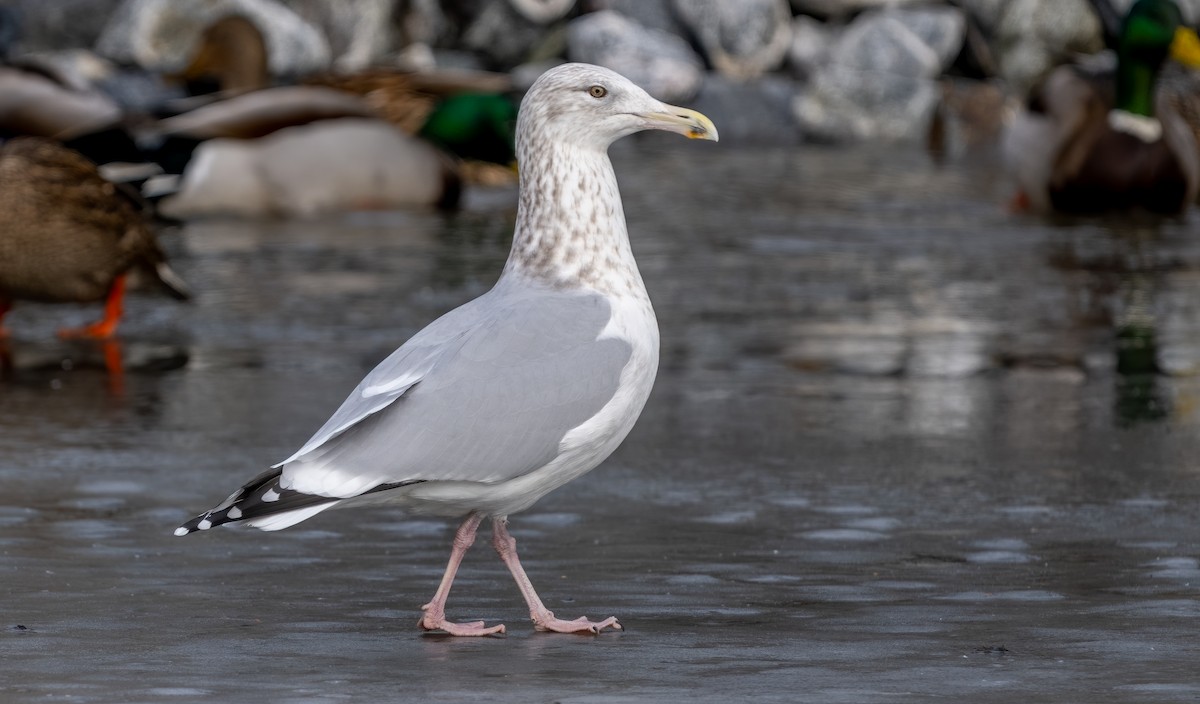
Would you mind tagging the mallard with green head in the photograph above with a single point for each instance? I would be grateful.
(241, 157)
(1090, 144)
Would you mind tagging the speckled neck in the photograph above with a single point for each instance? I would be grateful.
(570, 230)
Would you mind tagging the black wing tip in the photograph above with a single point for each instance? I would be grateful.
(204, 521)
(251, 501)
(233, 505)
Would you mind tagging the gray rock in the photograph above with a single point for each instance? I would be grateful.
(543, 11)
(359, 32)
(987, 13)
(502, 34)
(839, 8)
(812, 42)
(160, 34)
(848, 104)
(662, 63)
(422, 21)
(53, 25)
(940, 28)
(877, 81)
(10, 31)
(741, 39)
(653, 14)
(1190, 9)
(750, 112)
(909, 42)
(1033, 36)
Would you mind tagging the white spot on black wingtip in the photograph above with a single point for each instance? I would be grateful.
(182, 531)
(234, 513)
(204, 525)
(270, 495)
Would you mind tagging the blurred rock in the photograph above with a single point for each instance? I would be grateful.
(543, 11)
(160, 34)
(741, 39)
(846, 104)
(53, 25)
(754, 112)
(835, 8)
(359, 32)
(10, 31)
(1032, 36)
(1190, 9)
(909, 42)
(812, 42)
(986, 12)
(505, 36)
(663, 64)
(877, 81)
(653, 14)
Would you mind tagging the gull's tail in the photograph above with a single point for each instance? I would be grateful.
(261, 504)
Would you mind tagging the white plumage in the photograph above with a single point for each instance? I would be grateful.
(527, 387)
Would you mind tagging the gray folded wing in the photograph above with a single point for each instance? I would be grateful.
(485, 393)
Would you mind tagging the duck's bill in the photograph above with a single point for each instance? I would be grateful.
(688, 123)
(1186, 47)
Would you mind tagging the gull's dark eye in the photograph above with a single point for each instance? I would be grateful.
(597, 91)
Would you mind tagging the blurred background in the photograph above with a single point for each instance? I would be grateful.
(928, 417)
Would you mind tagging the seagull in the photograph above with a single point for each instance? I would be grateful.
(515, 393)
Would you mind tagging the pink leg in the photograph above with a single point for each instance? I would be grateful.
(435, 611)
(543, 618)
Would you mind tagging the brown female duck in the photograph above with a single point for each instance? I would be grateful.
(68, 235)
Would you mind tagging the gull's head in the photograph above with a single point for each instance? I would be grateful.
(592, 106)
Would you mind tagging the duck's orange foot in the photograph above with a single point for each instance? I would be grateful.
(101, 330)
(106, 328)
(1020, 203)
(5, 306)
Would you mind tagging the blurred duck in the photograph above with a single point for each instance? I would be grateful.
(35, 102)
(231, 58)
(67, 235)
(1178, 84)
(1180, 88)
(1085, 145)
(300, 151)
(350, 163)
(378, 138)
